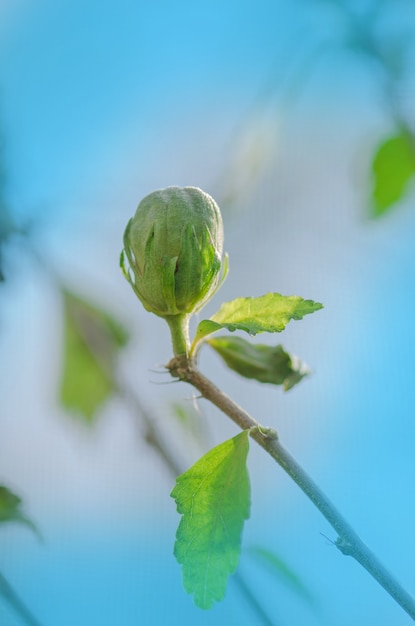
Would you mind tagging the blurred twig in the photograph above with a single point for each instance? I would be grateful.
(16, 603)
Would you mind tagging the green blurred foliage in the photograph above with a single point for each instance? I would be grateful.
(189, 417)
(11, 509)
(279, 568)
(393, 170)
(92, 340)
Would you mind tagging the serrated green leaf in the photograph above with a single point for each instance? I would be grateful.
(266, 364)
(11, 509)
(213, 497)
(92, 339)
(204, 328)
(269, 313)
(393, 168)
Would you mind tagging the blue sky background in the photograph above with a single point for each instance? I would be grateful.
(263, 106)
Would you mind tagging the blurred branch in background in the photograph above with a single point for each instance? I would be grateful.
(7, 226)
(11, 505)
(11, 511)
(16, 603)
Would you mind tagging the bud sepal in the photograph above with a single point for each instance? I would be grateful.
(172, 253)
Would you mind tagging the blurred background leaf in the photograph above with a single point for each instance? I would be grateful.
(194, 424)
(279, 568)
(92, 340)
(393, 170)
(11, 510)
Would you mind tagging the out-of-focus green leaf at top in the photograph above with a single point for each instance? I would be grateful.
(213, 497)
(267, 364)
(92, 339)
(269, 313)
(393, 168)
(11, 509)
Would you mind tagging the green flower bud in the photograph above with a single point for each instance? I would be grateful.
(174, 247)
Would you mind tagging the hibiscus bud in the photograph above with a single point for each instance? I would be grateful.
(174, 247)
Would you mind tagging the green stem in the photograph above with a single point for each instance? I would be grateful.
(348, 542)
(179, 329)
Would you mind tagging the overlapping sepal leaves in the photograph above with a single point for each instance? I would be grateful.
(173, 249)
(213, 497)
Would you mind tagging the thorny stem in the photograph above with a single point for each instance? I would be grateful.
(348, 542)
